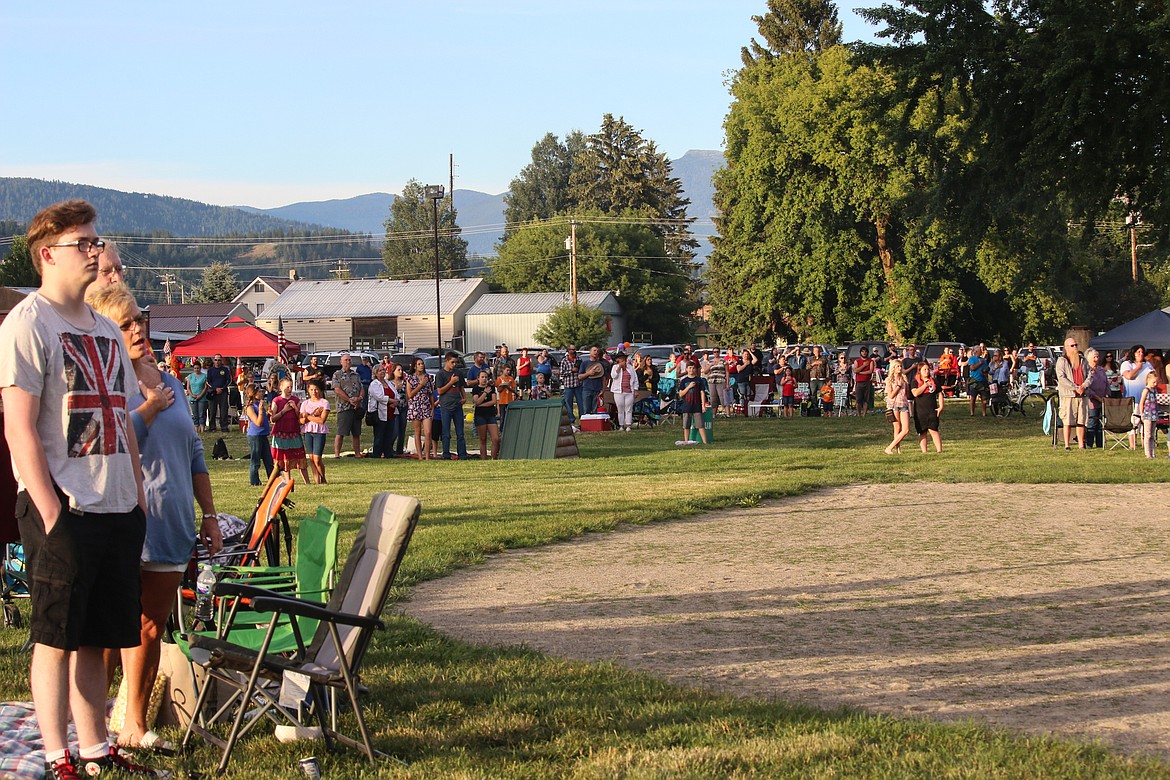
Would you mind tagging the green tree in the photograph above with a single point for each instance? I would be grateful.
(569, 324)
(794, 26)
(16, 269)
(542, 188)
(409, 251)
(218, 285)
(619, 255)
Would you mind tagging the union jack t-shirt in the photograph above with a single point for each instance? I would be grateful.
(81, 377)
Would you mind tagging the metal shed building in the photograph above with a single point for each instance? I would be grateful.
(513, 318)
(336, 314)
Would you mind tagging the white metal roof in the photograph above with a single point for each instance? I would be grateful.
(542, 303)
(319, 298)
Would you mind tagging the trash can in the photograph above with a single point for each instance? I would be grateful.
(708, 419)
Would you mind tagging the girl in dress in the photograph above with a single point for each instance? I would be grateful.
(928, 404)
(420, 406)
(288, 448)
(1148, 404)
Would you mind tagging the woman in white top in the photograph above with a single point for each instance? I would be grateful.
(623, 384)
(383, 402)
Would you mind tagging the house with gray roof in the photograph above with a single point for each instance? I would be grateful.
(514, 318)
(184, 320)
(263, 291)
(391, 314)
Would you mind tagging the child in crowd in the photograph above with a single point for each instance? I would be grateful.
(258, 431)
(828, 398)
(288, 446)
(483, 399)
(693, 399)
(788, 393)
(506, 391)
(1148, 405)
(541, 391)
(315, 427)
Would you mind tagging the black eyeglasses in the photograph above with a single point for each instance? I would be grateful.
(84, 245)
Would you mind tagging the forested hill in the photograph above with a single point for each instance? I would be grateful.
(136, 213)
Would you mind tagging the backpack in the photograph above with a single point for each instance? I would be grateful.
(220, 450)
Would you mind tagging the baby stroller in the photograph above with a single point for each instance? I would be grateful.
(13, 581)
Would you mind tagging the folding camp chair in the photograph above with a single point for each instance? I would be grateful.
(331, 663)
(1117, 420)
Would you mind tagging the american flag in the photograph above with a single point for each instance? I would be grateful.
(96, 395)
(281, 343)
(167, 351)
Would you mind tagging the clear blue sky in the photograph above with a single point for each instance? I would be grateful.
(263, 103)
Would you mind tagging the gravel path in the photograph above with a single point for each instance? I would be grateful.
(1036, 607)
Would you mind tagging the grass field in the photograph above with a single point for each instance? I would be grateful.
(452, 710)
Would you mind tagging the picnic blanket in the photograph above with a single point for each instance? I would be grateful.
(22, 755)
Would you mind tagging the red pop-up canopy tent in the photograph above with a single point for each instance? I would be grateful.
(236, 337)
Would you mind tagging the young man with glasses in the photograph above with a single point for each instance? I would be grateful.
(65, 378)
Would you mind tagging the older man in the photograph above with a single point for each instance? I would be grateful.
(1072, 379)
(347, 386)
(219, 378)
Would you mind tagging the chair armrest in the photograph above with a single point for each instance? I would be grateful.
(240, 589)
(309, 609)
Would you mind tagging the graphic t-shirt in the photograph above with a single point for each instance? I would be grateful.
(81, 377)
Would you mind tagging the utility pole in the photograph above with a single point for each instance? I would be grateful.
(435, 193)
(167, 281)
(1133, 219)
(451, 178)
(573, 260)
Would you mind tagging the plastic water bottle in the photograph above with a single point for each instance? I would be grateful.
(204, 611)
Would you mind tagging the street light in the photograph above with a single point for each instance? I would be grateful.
(435, 193)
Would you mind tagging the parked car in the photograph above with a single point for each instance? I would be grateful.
(331, 362)
(876, 349)
(934, 350)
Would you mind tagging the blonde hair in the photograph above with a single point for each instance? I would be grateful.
(111, 300)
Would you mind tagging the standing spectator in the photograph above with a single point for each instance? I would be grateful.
(478, 364)
(747, 366)
(315, 427)
(365, 372)
(313, 372)
(485, 415)
(828, 398)
(818, 371)
(347, 386)
(288, 446)
(1072, 379)
(541, 391)
(715, 372)
(219, 376)
(258, 431)
(505, 393)
(450, 388)
(787, 393)
(174, 477)
(977, 378)
(1112, 375)
(1133, 378)
(898, 402)
(524, 373)
(863, 369)
(503, 359)
(798, 359)
(692, 401)
(1029, 361)
(420, 406)
(197, 393)
(927, 407)
(382, 404)
(397, 376)
(81, 519)
(1097, 389)
(594, 379)
(571, 384)
(624, 382)
(544, 366)
(1148, 406)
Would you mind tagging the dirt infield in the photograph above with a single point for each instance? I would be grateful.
(1037, 607)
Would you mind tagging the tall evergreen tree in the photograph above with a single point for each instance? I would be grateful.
(794, 26)
(409, 251)
(542, 187)
(218, 285)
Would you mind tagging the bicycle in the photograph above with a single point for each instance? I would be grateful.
(1021, 397)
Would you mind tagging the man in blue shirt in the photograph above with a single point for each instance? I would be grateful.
(977, 384)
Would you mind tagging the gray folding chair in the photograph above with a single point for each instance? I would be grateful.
(1117, 421)
(332, 660)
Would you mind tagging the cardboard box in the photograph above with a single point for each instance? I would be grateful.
(595, 422)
